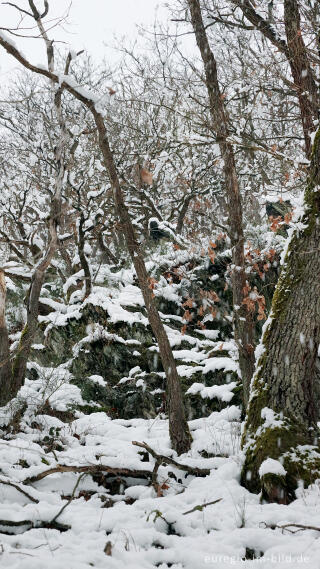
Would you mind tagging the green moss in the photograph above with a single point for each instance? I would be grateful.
(280, 443)
(274, 488)
(300, 467)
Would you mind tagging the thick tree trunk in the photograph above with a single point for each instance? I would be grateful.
(243, 320)
(284, 405)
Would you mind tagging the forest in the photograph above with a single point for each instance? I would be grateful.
(160, 291)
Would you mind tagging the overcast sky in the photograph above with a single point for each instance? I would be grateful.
(91, 24)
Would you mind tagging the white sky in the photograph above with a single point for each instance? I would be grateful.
(91, 24)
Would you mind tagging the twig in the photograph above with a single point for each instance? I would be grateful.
(167, 460)
(154, 476)
(70, 499)
(19, 490)
(201, 506)
(286, 526)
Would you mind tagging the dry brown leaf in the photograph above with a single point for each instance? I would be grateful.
(146, 176)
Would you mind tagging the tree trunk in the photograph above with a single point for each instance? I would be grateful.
(30, 329)
(5, 364)
(307, 91)
(243, 319)
(284, 405)
(178, 427)
(83, 259)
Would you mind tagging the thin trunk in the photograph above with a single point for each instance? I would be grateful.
(243, 321)
(108, 256)
(306, 87)
(178, 426)
(30, 329)
(83, 259)
(286, 385)
(29, 332)
(183, 213)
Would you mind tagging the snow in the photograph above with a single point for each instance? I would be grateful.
(271, 466)
(270, 418)
(222, 392)
(137, 522)
(100, 297)
(98, 379)
(227, 364)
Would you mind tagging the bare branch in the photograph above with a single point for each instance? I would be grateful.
(167, 460)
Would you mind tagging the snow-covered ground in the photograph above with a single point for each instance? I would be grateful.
(126, 517)
(101, 505)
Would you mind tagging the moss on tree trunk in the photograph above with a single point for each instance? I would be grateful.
(283, 410)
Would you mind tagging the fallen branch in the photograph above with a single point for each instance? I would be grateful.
(6, 525)
(7, 483)
(161, 459)
(287, 526)
(90, 469)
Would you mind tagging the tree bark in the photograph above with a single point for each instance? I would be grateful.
(83, 259)
(243, 320)
(286, 385)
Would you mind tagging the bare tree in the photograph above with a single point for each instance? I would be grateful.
(298, 57)
(178, 427)
(12, 377)
(243, 323)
